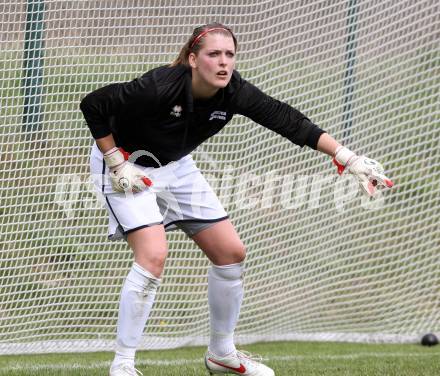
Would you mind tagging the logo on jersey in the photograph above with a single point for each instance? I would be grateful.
(221, 115)
(176, 111)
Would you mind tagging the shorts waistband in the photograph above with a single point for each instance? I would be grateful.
(144, 161)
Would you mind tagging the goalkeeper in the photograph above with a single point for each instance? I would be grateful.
(145, 131)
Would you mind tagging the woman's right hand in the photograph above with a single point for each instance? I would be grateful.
(125, 176)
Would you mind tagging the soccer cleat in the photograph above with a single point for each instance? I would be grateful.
(239, 363)
(124, 369)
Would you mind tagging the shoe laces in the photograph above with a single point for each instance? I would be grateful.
(131, 371)
(138, 373)
(246, 355)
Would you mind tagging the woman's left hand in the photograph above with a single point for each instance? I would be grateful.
(370, 173)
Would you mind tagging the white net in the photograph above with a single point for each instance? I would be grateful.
(368, 72)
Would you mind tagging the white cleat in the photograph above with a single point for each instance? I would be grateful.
(239, 363)
(124, 369)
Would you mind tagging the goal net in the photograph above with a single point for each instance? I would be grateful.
(322, 264)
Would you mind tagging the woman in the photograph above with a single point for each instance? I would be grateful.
(155, 121)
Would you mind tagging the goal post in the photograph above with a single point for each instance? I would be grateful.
(33, 58)
(322, 263)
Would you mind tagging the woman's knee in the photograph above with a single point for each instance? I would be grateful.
(235, 254)
(148, 261)
(152, 261)
(221, 243)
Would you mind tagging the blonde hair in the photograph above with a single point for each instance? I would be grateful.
(195, 42)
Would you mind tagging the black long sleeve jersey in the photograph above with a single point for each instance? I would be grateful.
(156, 113)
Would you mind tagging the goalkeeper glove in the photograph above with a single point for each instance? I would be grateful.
(369, 172)
(125, 176)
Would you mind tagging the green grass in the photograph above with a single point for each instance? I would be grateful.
(286, 358)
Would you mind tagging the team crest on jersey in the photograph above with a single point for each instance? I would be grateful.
(176, 111)
(221, 115)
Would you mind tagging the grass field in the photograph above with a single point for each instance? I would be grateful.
(286, 358)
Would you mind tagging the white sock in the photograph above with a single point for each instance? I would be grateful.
(137, 298)
(225, 294)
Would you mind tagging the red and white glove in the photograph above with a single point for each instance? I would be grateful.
(369, 172)
(125, 176)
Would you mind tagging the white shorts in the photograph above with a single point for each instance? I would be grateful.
(179, 198)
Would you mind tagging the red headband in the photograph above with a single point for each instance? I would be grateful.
(203, 33)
